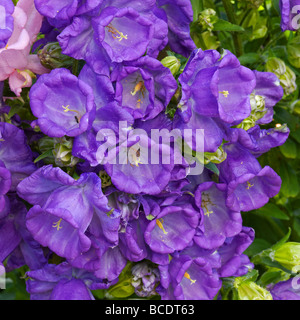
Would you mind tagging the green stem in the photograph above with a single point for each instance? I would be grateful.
(232, 19)
(75, 68)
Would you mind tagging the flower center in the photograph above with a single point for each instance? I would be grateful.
(224, 93)
(186, 275)
(249, 185)
(116, 34)
(77, 118)
(57, 224)
(139, 87)
(159, 222)
(205, 203)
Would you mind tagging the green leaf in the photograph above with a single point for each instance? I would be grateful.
(257, 246)
(197, 8)
(290, 184)
(289, 149)
(44, 155)
(249, 58)
(213, 168)
(273, 211)
(223, 25)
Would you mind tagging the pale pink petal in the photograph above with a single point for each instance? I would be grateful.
(19, 80)
(34, 64)
(34, 19)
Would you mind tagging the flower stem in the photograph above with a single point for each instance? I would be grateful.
(232, 19)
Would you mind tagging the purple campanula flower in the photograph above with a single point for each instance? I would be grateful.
(288, 13)
(286, 290)
(144, 87)
(190, 279)
(233, 262)
(63, 104)
(15, 154)
(67, 211)
(124, 33)
(62, 282)
(164, 233)
(219, 221)
(216, 87)
(6, 21)
(249, 185)
(259, 141)
(179, 15)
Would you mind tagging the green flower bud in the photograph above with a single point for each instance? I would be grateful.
(51, 57)
(288, 255)
(285, 75)
(172, 63)
(258, 110)
(249, 290)
(217, 157)
(63, 152)
(207, 18)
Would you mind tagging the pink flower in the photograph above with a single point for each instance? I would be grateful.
(16, 62)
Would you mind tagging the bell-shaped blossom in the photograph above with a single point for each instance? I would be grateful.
(67, 211)
(249, 185)
(191, 279)
(62, 282)
(63, 104)
(216, 86)
(233, 262)
(16, 62)
(219, 221)
(144, 87)
(179, 15)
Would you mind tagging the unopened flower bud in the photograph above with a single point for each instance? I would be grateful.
(249, 290)
(288, 255)
(207, 18)
(51, 57)
(172, 63)
(258, 110)
(63, 152)
(286, 76)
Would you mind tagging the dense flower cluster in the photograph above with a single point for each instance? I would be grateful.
(182, 233)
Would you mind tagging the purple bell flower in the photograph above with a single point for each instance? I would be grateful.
(67, 211)
(191, 279)
(63, 104)
(179, 15)
(62, 282)
(233, 262)
(249, 186)
(144, 87)
(219, 221)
